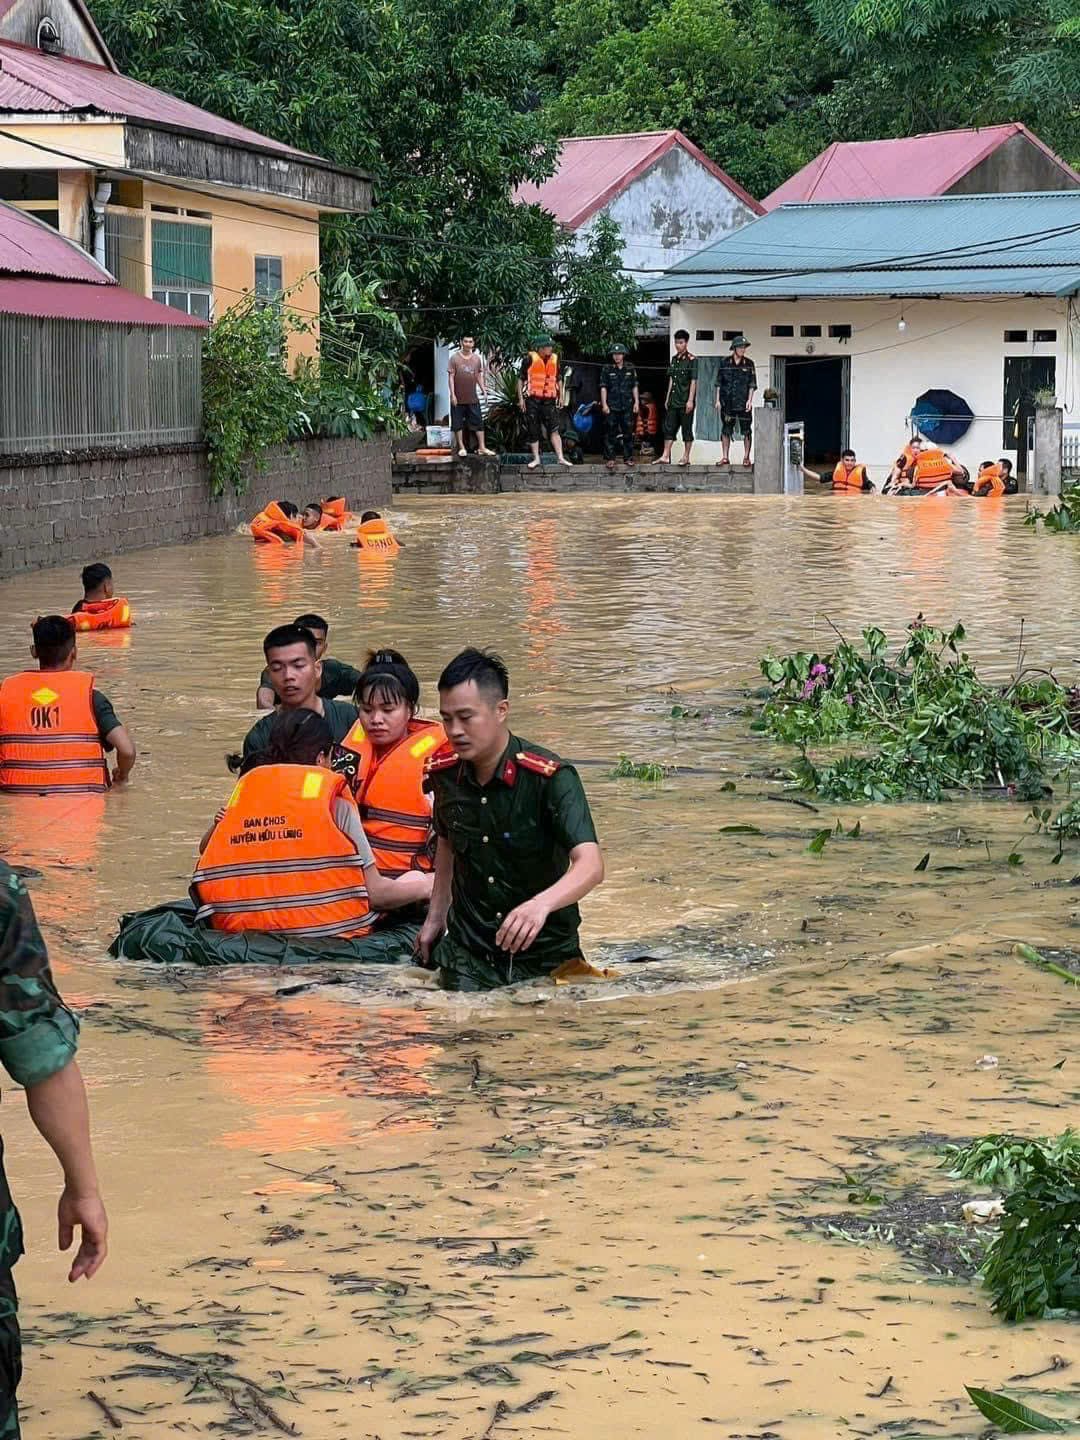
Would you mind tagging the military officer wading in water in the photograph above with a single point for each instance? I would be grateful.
(517, 848)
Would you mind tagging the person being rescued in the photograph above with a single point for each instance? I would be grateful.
(374, 536)
(99, 608)
(328, 515)
(337, 677)
(280, 523)
(55, 728)
(847, 475)
(647, 426)
(383, 758)
(931, 471)
(287, 853)
(994, 479)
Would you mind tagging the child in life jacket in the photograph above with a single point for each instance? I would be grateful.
(99, 608)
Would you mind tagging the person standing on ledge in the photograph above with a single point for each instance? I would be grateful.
(466, 375)
(736, 386)
(517, 847)
(38, 1040)
(620, 401)
(538, 393)
(680, 400)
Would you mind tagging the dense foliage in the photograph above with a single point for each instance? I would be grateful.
(919, 725)
(1064, 517)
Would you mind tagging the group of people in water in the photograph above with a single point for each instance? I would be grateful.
(282, 522)
(921, 469)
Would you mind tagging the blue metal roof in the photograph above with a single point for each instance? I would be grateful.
(1025, 244)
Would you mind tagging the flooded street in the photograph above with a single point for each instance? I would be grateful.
(367, 1209)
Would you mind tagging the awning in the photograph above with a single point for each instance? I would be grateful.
(69, 300)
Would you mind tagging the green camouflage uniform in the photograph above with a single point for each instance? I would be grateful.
(511, 839)
(38, 1037)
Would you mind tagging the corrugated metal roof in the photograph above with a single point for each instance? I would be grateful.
(963, 245)
(30, 247)
(70, 300)
(32, 80)
(594, 169)
(908, 168)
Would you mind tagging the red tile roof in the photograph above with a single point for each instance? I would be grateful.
(30, 247)
(594, 169)
(30, 80)
(917, 167)
(69, 300)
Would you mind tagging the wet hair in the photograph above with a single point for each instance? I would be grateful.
(311, 621)
(846, 454)
(286, 635)
(296, 737)
(985, 464)
(313, 505)
(54, 639)
(388, 678)
(1006, 464)
(682, 334)
(330, 499)
(288, 509)
(94, 576)
(370, 515)
(484, 667)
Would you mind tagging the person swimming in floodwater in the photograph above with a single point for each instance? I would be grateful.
(280, 523)
(337, 677)
(517, 847)
(383, 758)
(374, 536)
(100, 608)
(288, 854)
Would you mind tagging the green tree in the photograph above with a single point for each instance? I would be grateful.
(599, 302)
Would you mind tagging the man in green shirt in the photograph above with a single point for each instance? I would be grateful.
(681, 399)
(337, 677)
(517, 848)
(38, 1040)
(295, 672)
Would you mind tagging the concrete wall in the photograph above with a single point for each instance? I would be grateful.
(489, 478)
(947, 344)
(1016, 166)
(67, 509)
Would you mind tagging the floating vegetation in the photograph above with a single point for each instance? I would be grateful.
(648, 770)
(924, 723)
(928, 1230)
(1064, 517)
(1010, 1416)
(1006, 1161)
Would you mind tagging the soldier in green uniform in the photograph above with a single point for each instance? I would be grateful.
(680, 399)
(517, 848)
(337, 677)
(619, 400)
(38, 1040)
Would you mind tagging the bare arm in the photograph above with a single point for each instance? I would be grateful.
(391, 892)
(309, 539)
(637, 398)
(524, 923)
(693, 395)
(124, 747)
(521, 393)
(450, 378)
(59, 1110)
(439, 907)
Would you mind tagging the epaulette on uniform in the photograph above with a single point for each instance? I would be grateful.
(442, 759)
(545, 765)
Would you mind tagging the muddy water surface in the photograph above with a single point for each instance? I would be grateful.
(363, 1208)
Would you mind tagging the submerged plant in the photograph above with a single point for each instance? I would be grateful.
(650, 770)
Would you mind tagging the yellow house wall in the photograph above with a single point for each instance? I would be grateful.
(98, 143)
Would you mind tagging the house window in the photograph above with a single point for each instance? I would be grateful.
(1044, 337)
(268, 277)
(839, 332)
(1015, 337)
(125, 241)
(809, 332)
(191, 302)
(731, 334)
(182, 256)
(704, 334)
(780, 332)
(1029, 379)
(36, 191)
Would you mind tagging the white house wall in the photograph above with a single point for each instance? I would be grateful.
(947, 344)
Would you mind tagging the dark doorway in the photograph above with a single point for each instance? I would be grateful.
(814, 390)
(1025, 376)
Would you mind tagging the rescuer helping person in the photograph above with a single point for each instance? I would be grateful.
(848, 475)
(280, 523)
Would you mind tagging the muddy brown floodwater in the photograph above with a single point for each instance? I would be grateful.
(366, 1209)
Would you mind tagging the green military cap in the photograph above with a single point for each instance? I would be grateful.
(619, 350)
(539, 341)
(740, 343)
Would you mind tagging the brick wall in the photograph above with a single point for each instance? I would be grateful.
(478, 477)
(66, 508)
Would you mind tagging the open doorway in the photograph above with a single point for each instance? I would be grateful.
(815, 389)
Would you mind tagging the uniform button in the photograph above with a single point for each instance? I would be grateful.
(491, 879)
(483, 800)
(486, 839)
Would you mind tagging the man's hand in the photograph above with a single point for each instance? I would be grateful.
(119, 777)
(689, 407)
(522, 925)
(637, 408)
(430, 935)
(88, 1214)
(606, 408)
(750, 403)
(521, 406)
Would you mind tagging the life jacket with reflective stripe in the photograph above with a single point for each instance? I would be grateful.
(112, 614)
(990, 481)
(49, 742)
(375, 538)
(272, 526)
(389, 790)
(853, 479)
(277, 860)
(931, 468)
(648, 419)
(334, 514)
(543, 376)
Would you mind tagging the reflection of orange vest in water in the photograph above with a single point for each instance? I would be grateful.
(112, 614)
(374, 538)
(853, 479)
(334, 514)
(395, 812)
(543, 376)
(49, 742)
(273, 527)
(931, 468)
(277, 860)
(990, 481)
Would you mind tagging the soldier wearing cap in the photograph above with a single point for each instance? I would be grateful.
(517, 847)
(619, 400)
(736, 386)
(538, 391)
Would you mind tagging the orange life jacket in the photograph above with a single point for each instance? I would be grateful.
(374, 538)
(395, 812)
(49, 742)
(853, 479)
(543, 376)
(334, 514)
(990, 481)
(277, 860)
(648, 420)
(112, 614)
(931, 468)
(273, 527)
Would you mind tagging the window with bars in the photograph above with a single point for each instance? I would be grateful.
(268, 277)
(125, 248)
(182, 255)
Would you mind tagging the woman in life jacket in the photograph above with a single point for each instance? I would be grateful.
(383, 758)
(288, 853)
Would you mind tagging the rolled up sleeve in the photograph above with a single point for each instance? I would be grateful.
(39, 1035)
